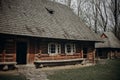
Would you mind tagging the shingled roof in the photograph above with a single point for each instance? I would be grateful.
(110, 41)
(42, 18)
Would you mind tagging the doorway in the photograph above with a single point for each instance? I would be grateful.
(21, 50)
(85, 51)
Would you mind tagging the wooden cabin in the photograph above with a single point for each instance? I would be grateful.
(110, 48)
(42, 30)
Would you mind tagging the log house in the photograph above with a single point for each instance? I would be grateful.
(42, 30)
(110, 48)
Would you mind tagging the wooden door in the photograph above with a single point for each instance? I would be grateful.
(21, 50)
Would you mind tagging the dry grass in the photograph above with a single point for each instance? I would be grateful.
(107, 71)
(11, 75)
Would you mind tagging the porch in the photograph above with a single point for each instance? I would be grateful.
(43, 60)
(57, 57)
(7, 61)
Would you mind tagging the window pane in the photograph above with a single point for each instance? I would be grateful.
(52, 48)
(59, 48)
(68, 48)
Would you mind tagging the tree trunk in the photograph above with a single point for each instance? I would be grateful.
(69, 3)
(116, 17)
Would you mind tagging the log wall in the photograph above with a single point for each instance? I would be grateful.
(39, 45)
(8, 51)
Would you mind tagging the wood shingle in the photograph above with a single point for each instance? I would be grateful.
(42, 18)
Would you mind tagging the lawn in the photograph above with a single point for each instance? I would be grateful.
(108, 71)
(11, 77)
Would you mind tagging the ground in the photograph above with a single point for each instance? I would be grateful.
(31, 73)
(104, 70)
(11, 75)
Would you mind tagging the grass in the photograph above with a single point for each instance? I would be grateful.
(12, 77)
(108, 71)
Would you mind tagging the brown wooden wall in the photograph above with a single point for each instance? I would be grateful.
(39, 45)
(43, 46)
(7, 50)
(110, 53)
(31, 51)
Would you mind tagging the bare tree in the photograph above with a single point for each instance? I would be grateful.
(100, 16)
(116, 17)
(103, 15)
(69, 3)
(115, 9)
(95, 4)
(93, 12)
(83, 12)
(78, 7)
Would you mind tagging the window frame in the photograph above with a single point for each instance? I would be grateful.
(57, 48)
(72, 47)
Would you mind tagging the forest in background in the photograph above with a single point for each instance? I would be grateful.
(99, 15)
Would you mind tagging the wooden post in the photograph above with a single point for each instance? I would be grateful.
(111, 55)
(82, 53)
(14, 57)
(94, 55)
(4, 53)
(40, 51)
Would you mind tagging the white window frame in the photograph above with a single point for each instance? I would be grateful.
(57, 48)
(73, 48)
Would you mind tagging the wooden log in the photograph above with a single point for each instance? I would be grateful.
(57, 62)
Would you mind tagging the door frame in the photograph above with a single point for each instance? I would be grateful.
(26, 54)
(85, 52)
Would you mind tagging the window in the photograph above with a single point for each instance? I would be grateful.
(54, 48)
(70, 48)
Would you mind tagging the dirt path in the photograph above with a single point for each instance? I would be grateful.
(31, 73)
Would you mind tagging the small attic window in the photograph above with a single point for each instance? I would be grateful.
(50, 11)
(104, 36)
